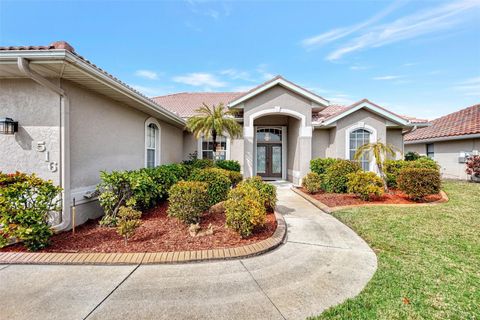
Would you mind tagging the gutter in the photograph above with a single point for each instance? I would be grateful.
(24, 67)
(448, 138)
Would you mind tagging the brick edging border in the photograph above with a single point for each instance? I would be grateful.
(86, 258)
(322, 206)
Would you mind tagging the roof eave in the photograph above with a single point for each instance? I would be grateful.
(445, 138)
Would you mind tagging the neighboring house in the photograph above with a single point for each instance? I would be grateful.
(449, 140)
(75, 120)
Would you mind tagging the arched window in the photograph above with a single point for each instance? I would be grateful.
(152, 143)
(358, 138)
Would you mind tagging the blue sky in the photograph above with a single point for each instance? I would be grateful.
(420, 58)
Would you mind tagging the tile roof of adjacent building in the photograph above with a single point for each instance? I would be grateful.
(460, 123)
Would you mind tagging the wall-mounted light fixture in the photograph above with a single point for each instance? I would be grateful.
(8, 126)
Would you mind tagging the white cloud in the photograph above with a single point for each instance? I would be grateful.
(339, 33)
(264, 74)
(147, 74)
(410, 26)
(235, 74)
(242, 88)
(390, 77)
(341, 99)
(199, 79)
(469, 87)
(152, 91)
(358, 67)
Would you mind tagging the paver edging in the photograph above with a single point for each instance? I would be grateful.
(322, 206)
(134, 258)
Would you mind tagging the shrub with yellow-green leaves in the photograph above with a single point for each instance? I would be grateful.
(365, 184)
(128, 220)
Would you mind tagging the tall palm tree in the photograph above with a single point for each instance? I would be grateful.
(380, 151)
(212, 122)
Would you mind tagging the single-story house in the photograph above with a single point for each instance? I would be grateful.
(449, 140)
(75, 119)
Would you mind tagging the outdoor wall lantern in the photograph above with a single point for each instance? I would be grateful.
(8, 126)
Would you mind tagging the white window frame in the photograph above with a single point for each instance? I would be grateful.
(200, 147)
(158, 140)
(373, 139)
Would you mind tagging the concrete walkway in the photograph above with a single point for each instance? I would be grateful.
(322, 263)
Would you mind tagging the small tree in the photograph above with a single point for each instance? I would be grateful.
(128, 222)
(473, 166)
(212, 122)
(380, 151)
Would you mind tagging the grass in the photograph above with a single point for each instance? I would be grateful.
(428, 259)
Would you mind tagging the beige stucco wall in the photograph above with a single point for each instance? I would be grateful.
(395, 138)
(106, 135)
(271, 120)
(321, 143)
(38, 112)
(190, 145)
(446, 153)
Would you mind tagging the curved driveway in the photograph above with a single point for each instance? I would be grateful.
(321, 264)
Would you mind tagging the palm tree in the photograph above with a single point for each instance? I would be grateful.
(380, 152)
(212, 122)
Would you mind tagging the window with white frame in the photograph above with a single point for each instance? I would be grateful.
(206, 148)
(151, 145)
(358, 138)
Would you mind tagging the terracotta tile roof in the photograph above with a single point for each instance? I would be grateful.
(463, 122)
(329, 111)
(185, 103)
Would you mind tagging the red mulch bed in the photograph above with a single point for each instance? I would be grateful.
(347, 199)
(157, 233)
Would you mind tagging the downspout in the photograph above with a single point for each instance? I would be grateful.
(23, 65)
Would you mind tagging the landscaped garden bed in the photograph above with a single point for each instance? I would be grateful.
(348, 199)
(157, 233)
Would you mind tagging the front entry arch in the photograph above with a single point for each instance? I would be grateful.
(270, 152)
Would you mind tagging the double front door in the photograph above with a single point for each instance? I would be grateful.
(269, 160)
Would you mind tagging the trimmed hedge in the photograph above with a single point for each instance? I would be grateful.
(188, 200)
(243, 209)
(218, 183)
(320, 165)
(336, 175)
(365, 184)
(394, 167)
(231, 165)
(268, 192)
(25, 204)
(312, 182)
(419, 182)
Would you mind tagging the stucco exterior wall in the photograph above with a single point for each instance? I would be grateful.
(189, 145)
(271, 120)
(368, 118)
(38, 112)
(321, 143)
(106, 135)
(446, 153)
(395, 138)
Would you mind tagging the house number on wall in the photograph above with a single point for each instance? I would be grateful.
(41, 147)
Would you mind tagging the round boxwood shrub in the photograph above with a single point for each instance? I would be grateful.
(320, 165)
(419, 182)
(423, 162)
(336, 175)
(25, 203)
(268, 192)
(187, 200)
(231, 165)
(365, 185)
(243, 210)
(412, 156)
(218, 183)
(392, 170)
(312, 182)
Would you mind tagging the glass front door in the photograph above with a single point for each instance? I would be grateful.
(269, 160)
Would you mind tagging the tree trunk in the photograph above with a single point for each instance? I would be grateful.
(214, 141)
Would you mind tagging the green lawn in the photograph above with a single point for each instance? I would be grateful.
(428, 259)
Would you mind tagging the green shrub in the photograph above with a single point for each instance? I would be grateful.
(243, 210)
(166, 176)
(365, 184)
(218, 183)
(423, 162)
(312, 182)
(336, 175)
(25, 204)
(419, 182)
(320, 165)
(187, 200)
(392, 169)
(268, 192)
(411, 156)
(194, 163)
(235, 177)
(231, 165)
(137, 189)
(128, 221)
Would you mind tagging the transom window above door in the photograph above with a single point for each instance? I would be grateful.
(269, 135)
(358, 138)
